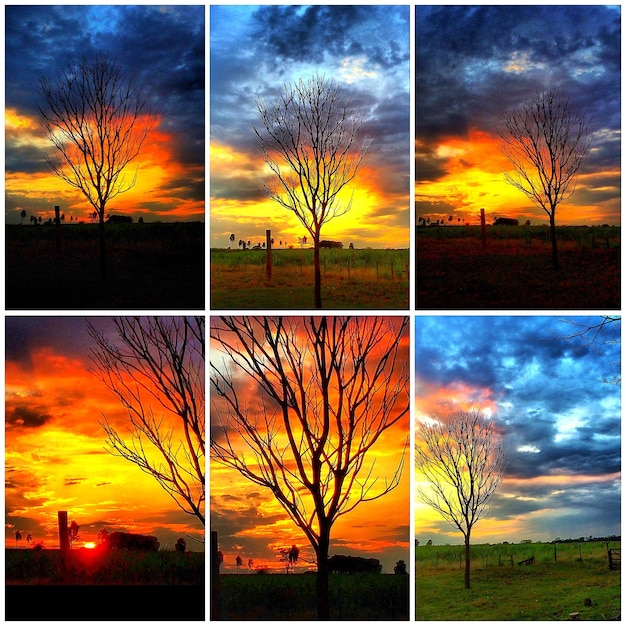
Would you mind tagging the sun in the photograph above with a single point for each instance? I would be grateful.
(90, 546)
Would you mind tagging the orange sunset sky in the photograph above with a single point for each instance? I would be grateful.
(254, 51)
(475, 62)
(55, 458)
(162, 50)
(252, 524)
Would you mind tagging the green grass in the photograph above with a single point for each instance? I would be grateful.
(351, 279)
(546, 590)
(292, 597)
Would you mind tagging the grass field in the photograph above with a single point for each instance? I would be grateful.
(351, 279)
(514, 271)
(292, 597)
(104, 586)
(149, 266)
(578, 581)
(96, 567)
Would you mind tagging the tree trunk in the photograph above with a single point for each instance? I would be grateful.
(467, 561)
(323, 595)
(555, 255)
(317, 289)
(103, 265)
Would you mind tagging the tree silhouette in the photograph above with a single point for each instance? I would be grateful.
(158, 364)
(463, 462)
(73, 532)
(400, 568)
(325, 391)
(97, 121)
(289, 556)
(306, 139)
(232, 238)
(22, 216)
(546, 142)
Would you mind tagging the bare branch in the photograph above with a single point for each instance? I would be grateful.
(307, 139)
(159, 363)
(546, 142)
(463, 463)
(325, 391)
(98, 122)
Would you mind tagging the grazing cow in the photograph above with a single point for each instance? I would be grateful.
(341, 564)
(130, 541)
(330, 244)
(506, 221)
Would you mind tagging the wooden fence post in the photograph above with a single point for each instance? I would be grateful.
(64, 542)
(268, 247)
(483, 232)
(57, 222)
(214, 578)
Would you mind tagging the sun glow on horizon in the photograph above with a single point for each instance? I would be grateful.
(474, 179)
(153, 171)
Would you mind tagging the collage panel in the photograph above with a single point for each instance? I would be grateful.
(310, 468)
(518, 157)
(104, 157)
(517, 477)
(105, 468)
(310, 157)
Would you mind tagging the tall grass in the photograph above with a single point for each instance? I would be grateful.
(281, 596)
(387, 262)
(101, 567)
(583, 236)
(486, 555)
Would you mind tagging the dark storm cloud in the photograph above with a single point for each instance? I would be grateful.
(463, 54)
(23, 416)
(160, 48)
(311, 34)
(23, 335)
(254, 51)
(555, 410)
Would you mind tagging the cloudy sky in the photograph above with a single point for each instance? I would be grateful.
(473, 63)
(54, 446)
(255, 50)
(252, 524)
(559, 416)
(163, 50)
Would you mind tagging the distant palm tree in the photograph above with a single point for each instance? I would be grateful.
(232, 238)
(22, 216)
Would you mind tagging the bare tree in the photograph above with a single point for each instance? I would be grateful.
(546, 141)
(326, 389)
(98, 121)
(307, 137)
(159, 364)
(463, 462)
